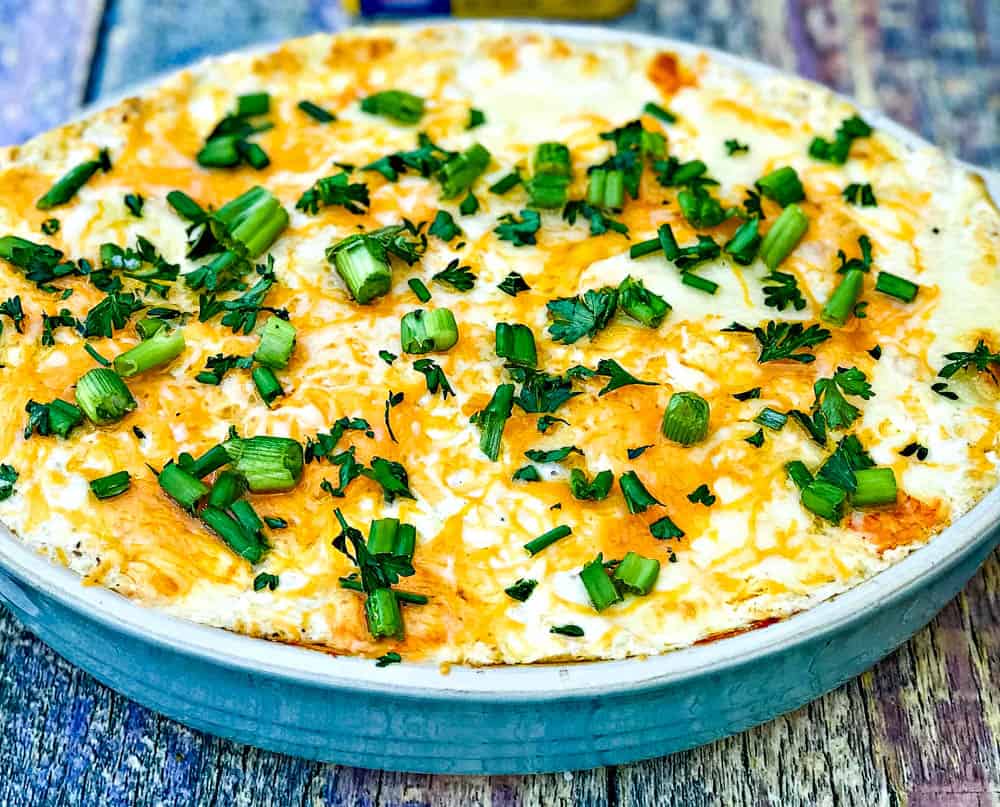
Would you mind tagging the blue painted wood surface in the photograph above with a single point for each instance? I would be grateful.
(921, 728)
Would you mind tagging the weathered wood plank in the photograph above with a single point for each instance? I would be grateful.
(45, 56)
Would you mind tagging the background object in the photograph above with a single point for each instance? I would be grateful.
(923, 727)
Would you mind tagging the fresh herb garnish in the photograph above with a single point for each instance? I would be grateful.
(392, 476)
(434, 376)
(392, 657)
(492, 419)
(458, 277)
(784, 293)
(782, 186)
(265, 580)
(686, 258)
(780, 340)
(426, 159)
(858, 194)
(520, 232)
(617, 376)
(52, 322)
(350, 469)
(12, 309)
(701, 495)
(323, 445)
(748, 395)
(638, 451)
(600, 223)
(521, 590)
(444, 226)
(586, 315)
(664, 529)
(981, 359)
(240, 314)
(513, 284)
(387, 357)
(335, 190)
(771, 419)
(541, 391)
(637, 498)
(8, 476)
(316, 112)
(74, 179)
(837, 150)
(134, 202)
(469, 205)
(553, 455)
(218, 365)
(144, 264)
(837, 412)
(567, 630)
(756, 439)
(546, 422)
(875, 352)
(659, 112)
(58, 417)
(915, 448)
(529, 473)
(734, 147)
(595, 490)
(394, 399)
(397, 105)
(228, 144)
(476, 118)
(50, 226)
(848, 457)
(111, 314)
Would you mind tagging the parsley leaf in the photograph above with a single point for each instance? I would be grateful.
(529, 473)
(858, 194)
(392, 400)
(595, 490)
(350, 469)
(458, 277)
(546, 422)
(736, 147)
(391, 476)
(335, 190)
(426, 159)
(839, 468)
(520, 233)
(586, 315)
(785, 293)
(701, 495)
(541, 391)
(513, 284)
(553, 455)
(434, 376)
(665, 529)
(134, 202)
(617, 376)
(781, 340)
(323, 445)
(8, 476)
(11, 308)
(218, 365)
(864, 263)
(521, 590)
(444, 226)
(599, 222)
(980, 359)
(52, 322)
(111, 314)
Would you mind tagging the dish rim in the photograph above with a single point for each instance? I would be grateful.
(540, 682)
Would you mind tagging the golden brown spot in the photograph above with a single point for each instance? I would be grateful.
(909, 521)
(667, 73)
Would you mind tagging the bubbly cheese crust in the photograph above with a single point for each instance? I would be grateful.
(755, 555)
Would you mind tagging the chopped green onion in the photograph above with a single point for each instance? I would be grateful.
(547, 190)
(505, 183)
(316, 112)
(74, 179)
(247, 517)
(396, 104)
(642, 248)
(253, 154)
(784, 236)
(698, 282)
(277, 341)
(782, 185)
(896, 286)
(160, 348)
(267, 384)
(211, 460)
(637, 574)
(614, 189)
(364, 267)
(267, 463)
(600, 589)
(95, 355)
(772, 419)
(233, 535)
(798, 473)
(220, 152)
(250, 223)
(429, 331)
(745, 243)
(62, 417)
(226, 489)
(112, 485)
(552, 158)
(658, 111)
(840, 307)
(876, 486)
(685, 420)
(637, 498)
(516, 343)
(825, 500)
(641, 304)
(254, 103)
(536, 545)
(148, 326)
(586, 490)
(382, 614)
(103, 396)
(419, 289)
(595, 187)
(492, 419)
(184, 488)
(459, 172)
(409, 597)
(388, 536)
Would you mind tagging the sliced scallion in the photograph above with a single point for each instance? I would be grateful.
(459, 172)
(267, 463)
(637, 574)
(516, 343)
(103, 396)
(825, 500)
(211, 460)
(799, 474)
(782, 185)
(698, 282)
(637, 498)
(492, 419)
(600, 588)
(226, 489)
(364, 267)
(111, 485)
(685, 420)
(382, 614)
(876, 486)
(428, 331)
(546, 539)
(418, 288)
(161, 348)
(268, 386)
(840, 307)
(184, 488)
(784, 235)
(233, 535)
(896, 286)
(277, 341)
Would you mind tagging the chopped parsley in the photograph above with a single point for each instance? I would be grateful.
(265, 580)
(350, 469)
(519, 232)
(444, 226)
(506, 183)
(858, 194)
(387, 357)
(521, 590)
(785, 291)
(637, 498)
(838, 149)
(392, 476)
(734, 147)
(8, 476)
(837, 412)
(638, 451)
(58, 417)
(458, 277)
(748, 395)
(529, 473)
(134, 202)
(756, 439)
(392, 657)
(335, 190)
(228, 144)
(513, 284)
(434, 376)
(426, 159)
(664, 529)
(218, 365)
(469, 205)
(111, 314)
(553, 455)
(323, 445)
(52, 322)
(240, 314)
(981, 359)
(12, 309)
(848, 457)
(781, 340)
(392, 400)
(617, 376)
(595, 490)
(600, 223)
(864, 263)
(586, 315)
(476, 118)
(701, 495)
(567, 630)
(546, 422)
(144, 264)
(541, 391)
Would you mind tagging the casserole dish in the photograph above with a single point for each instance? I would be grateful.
(417, 717)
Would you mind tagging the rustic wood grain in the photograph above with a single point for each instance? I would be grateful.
(922, 728)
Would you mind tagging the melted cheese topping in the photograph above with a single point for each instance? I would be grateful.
(753, 556)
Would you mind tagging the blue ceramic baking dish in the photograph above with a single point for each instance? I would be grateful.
(414, 717)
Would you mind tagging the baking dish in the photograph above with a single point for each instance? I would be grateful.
(496, 720)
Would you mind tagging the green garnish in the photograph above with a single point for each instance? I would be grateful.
(553, 455)
(638, 451)
(393, 399)
(837, 150)
(218, 365)
(586, 315)
(12, 309)
(840, 467)
(896, 286)
(686, 258)
(469, 205)
(389, 536)
(779, 341)
(519, 232)
(103, 396)
(267, 384)
(567, 630)
(265, 580)
(784, 235)
(317, 113)
(782, 186)
(734, 147)
(398, 105)
(685, 419)
(617, 376)
(637, 498)
(181, 486)
(392, 657)
(111, 314)
(701, 495)
(434, 330)
(74, 179)
(277, 341)
(825, 500)
(664, 529)
(600, 223)
(419, 289)
(637, 574)
(58, 417)
(659, 112)
(134, 202)
(546, 422)
(434, 376)
(521, 590)
(444, 226)
(50, 226)
(268, 464)
(228, 144)
(362, 260)
(516, 343)
(771, 419)
(387, 357)
(541, 391)
(226, 489)
(915, 448)
(335, 190)
(476, 118)
(606, 188)
(458, 277)
(700, 208)
(700, 283)
(745, 243)
(529, 473)
(52, 322)
(425, 160)
(980, 359)
(858, 194)
(547, 188)
(799, 474)
(536, 545)
(838, 413)
(40, 263)
(159, 349)
(756, 439)
(506, 183)
(323, 445)
(601, 591)
(107, 487)
(513, 284)
(748, 395)
(492, 419)
(8, 476)
(875, 487)
(641, 304)
(785, 291)
(460, 171)
(595, 490)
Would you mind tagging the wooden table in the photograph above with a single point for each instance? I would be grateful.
(921, 728)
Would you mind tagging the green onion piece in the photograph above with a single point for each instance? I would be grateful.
(637, 574)
(745, 243)
(614, 189)
(277, 341)
(825, 500)
(641, 304)
(784, 236)
(586, 490)
(771, 418)
(505, 183)
(251, 222)
(658, 111)
(247, 517)
(399, 105)
(220, 152)
(840, 307)
(63, 417)
(492, 419)
(685, 420)
(600, 589)
(232, 534)
(799, 474)
(74, 179)
(382, 536)
(429, 331)
(364, 267)
(112, 485)
(698, 282)
(419, 289)
(226, 489)
(668, 243)
(596, 185)
(637, 498)
(267, 463)
(254, 103)
(409, 597)
(783, 186)
(267, 384)
(160, 348)
(552, 158)
(546, 539)
(211, 460)
(645, 248)
(316, 112)
(103, 396)
(896, 286)
(383, 615)
(253, 154)
(182, 487)
(459, 172)
(876, 486)
(148, 326)
(547, 190)
(516, 343)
